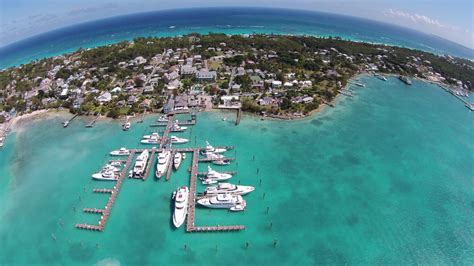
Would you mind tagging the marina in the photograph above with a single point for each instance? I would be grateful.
(164, 146)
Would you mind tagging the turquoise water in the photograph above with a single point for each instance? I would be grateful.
(385, 177)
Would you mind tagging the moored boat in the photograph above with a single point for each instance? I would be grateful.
(228, 188)
(120, 152)
(221, 162)
(180, 206)
(126, 126)
(405, 80)
(211, 149)
(176, 140)
(213, 176)
(163, 162)
(140, 165)
(224, 201)
(162, 118)
(154, 138)
(178, 158)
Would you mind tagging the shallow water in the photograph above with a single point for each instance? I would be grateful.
(384, 177)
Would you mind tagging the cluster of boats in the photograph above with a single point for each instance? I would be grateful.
(165, 161)
(155, 139)
(215, 155)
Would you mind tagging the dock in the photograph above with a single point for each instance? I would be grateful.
(67, 122)
(169, 171)
(105, 213)
(92, 123)
(149, 164)
(239, 116)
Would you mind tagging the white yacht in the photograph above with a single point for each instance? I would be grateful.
(176, 140)
(105, 175)
(140, 165)
(210, 149)
(126, 126)
(163, 162)
(177, 128)
(213, 177)
(221, 162)
(212, 156)
(178, 158)
(108, 172)
(224, 201)
(180, 206)
(152, 135)
(154, 138)
(120, 152)
(228, 188)
(162, 118)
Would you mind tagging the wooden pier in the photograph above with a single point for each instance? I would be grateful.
(105, 213)
(239, 116)
(92, 123)
(170, 165)
(102, 190)
(67, 122)
(149, 164)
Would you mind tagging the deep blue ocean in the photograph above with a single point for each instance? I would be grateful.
(226, 20)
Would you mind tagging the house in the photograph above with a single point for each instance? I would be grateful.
(206, 75)
(188, 70)
(146, 103)
(276, 84)
(139, 60)
(169, 106)
(257, 82)
(131, 99)
(230, 101)
(104, 97)
(116, 90)
(181, 102)
(171, 76)
(266, 101)
(173, 85)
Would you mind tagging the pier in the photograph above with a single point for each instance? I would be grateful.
(67, 122)
(239, 116)
(105, 213)
(92, 123)
(149, 164)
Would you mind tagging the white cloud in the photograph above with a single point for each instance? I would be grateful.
(418, 19)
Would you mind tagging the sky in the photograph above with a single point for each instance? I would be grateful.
(450, 19)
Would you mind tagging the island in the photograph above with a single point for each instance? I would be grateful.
(278, 76)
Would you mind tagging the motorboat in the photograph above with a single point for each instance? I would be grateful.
(140, 165)
(224, 201)
(105, 175)
(162, 118)
(116, 163)
(180, 205)
(153, 139)
(126, 126)
(66, 123)
(176, 140)
(211, 173)
(210, 149)
(177, 128)
(212, 156)
(178, 158)
(108, 172)
(152, 135)
(213, 177)
(120, 152)
(405, 80)
(359, 84)
(228, 188)
(221, 162)
(164, 158)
